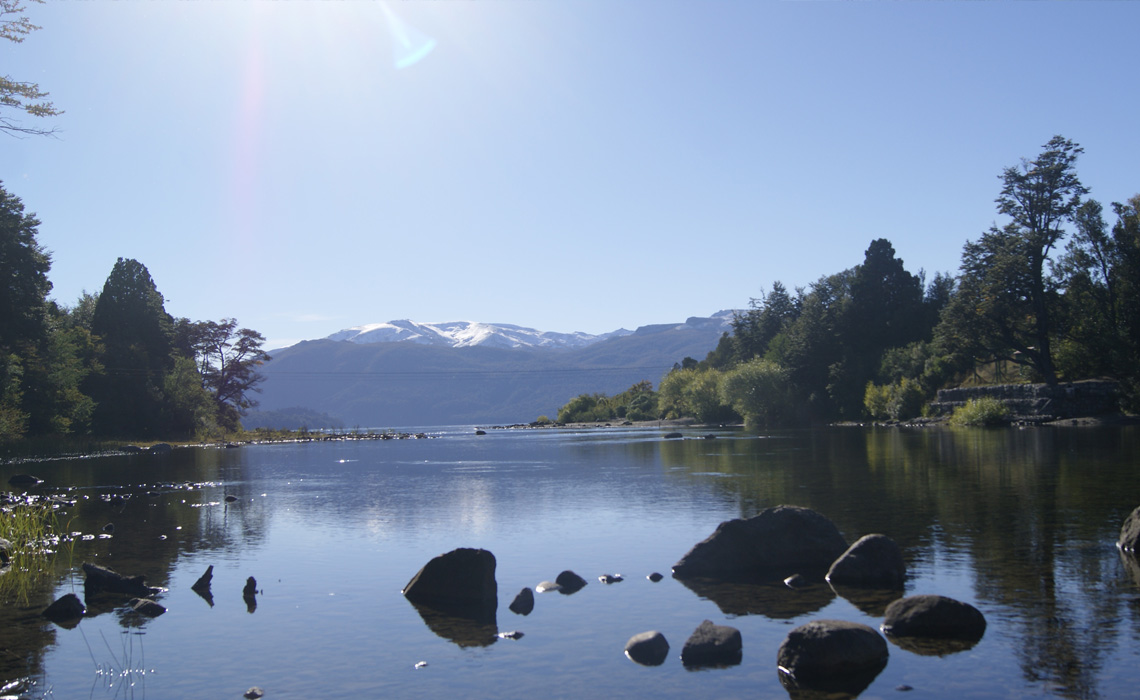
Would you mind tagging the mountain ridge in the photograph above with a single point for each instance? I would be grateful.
(398, 383)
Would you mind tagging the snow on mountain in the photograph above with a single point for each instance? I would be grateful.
(462, 334)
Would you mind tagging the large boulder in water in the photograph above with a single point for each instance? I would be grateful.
(874, 561)
(101, 579)
(460, 580)
(648, 648)
(832, 656)
(67, 609)
(1130, 532)
(933, 616)
(775, 543)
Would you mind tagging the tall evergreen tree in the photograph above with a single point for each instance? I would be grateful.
(131, 321)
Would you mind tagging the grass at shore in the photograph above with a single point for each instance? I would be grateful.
(29, 526)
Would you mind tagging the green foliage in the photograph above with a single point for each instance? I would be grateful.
(761, 391)
(900, 400)
(694, 393)
(586, 408)
(227, 359)
(980, 412)
(29, 526)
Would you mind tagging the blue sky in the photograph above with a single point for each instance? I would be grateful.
(569, 165)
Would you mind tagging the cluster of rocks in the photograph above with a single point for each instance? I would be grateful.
(794, 544)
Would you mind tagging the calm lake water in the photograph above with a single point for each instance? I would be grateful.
(1022, 524)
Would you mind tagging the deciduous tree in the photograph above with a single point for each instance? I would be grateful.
(18, 96)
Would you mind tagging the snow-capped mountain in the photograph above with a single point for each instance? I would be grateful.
(462, 334)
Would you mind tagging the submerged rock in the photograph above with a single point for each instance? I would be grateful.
(146, 606)
(21, 480)
(101, 579)
(933, 616)
(648, 648)
(713, 645)
(874, 561)
(775, 543)
(65, 609)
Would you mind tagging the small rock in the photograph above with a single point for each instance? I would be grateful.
(673, 436)
(250, 589)
(610, 578)
(420, 664)
(109, 528)
(146, 606)
(712, 645)
(515, 634)
(523, 603)
(230, 499)
(25, 480)
(648, 648)
(65, 608)
(654, 577)
(203, 582)
(903, 688)
(161, 448)
(570, 582)
(547, 587)
(253, 693)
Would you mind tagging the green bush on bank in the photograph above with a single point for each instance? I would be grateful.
(980, 412)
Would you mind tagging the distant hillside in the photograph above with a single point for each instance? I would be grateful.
(391, 384)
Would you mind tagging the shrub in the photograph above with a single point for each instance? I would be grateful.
(982, 411)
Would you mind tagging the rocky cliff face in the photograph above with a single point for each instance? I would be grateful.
(1039, 402)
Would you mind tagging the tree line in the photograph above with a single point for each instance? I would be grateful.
(1051, 295)
(115, 364)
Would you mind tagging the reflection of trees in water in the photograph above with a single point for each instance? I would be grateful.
(1036, 511)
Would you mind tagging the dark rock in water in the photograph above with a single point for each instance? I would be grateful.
(131, 449)
(774, 543)
(104, 580)
(515, 634)
(21, 480)
(460, 582)
(523, 603)
(253, 693)
(250, 589)
(161, 448)
(1130, 532)
(146, 606)
(933, 616)
(109, 528)
(648, 648)
(204, 581)
(65, 609)
(611, 578)
(569, 582)
(654, 577)
(709, 436)
(712, 645)
(230, 499)
(874, 561)
(673, 436)
(480, 432)
(831, 656)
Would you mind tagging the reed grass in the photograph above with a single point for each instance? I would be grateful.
(28, 524)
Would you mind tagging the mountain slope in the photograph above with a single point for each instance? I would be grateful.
(388, 384)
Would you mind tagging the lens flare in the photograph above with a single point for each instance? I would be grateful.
(409, 45)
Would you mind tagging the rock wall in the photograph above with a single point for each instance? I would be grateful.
(1039, 402)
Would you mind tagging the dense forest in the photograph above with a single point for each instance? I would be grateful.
(1052, 295)
(116, 364)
